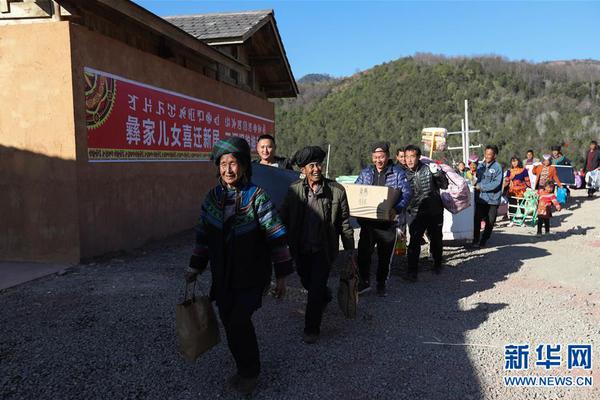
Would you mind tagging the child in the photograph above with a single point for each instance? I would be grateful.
(546, 199)
(461, 168)
(471, 173)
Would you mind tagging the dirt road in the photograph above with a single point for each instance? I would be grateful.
(107, 329)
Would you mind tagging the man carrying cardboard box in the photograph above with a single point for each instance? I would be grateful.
(382, 233)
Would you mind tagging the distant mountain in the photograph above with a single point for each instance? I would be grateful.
(315, 78)
(516, 105)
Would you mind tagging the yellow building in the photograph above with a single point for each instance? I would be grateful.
(83, 172)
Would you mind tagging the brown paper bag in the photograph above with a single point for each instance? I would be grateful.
(197, 328)
(348, 290)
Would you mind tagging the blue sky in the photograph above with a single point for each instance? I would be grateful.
(343, 37)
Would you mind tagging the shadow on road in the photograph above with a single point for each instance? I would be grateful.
(107, 331)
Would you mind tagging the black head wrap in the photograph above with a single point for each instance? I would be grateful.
(308, 155)
(555, 148)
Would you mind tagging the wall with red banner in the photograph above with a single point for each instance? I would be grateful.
(129, 121)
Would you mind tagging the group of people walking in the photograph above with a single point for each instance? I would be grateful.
(515, 182)
(244, 238)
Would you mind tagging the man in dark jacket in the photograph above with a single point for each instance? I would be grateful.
(266, 149)
(488, 193)
(316, 213)
(383, 172)
(427, 209)
(592, 162)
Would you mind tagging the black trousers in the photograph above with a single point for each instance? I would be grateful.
(545, 222)
(384, 236)
(314, 273)
(484, 212)
(432, 224)
(235, 311)
(591, 192)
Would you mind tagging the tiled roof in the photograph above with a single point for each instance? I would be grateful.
(219, 26)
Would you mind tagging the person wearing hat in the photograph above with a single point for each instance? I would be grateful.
(488, 192)
(545, 172)
(316, 213)
(558, 158)
(380, 233)
(243, 238)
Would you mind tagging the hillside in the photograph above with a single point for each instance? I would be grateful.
(516, 105)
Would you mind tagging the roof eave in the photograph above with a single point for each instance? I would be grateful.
(162, 26)
(284, 56)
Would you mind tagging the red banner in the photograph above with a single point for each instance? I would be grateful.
(132, 121)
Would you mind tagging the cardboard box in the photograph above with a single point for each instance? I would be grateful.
(373, 202)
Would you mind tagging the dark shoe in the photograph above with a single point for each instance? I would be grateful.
(437, 269)
(381, 291)
(310, 338)
(246, 386)
(482, 243)
(363, 287)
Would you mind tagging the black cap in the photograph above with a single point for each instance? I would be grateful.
(384, 146)
(308, 155)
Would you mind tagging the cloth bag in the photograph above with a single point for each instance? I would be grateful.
(196, 323)
(561, 195)
(348, 290)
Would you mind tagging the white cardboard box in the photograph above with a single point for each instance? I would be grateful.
(368, 201)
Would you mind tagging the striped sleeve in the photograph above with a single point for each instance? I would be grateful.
(275, 233)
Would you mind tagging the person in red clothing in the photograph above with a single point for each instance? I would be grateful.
(517, 178)
(545, 172)
(545, 202)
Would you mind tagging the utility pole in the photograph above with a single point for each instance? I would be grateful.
(467, 142)
(465, 150)
(465, 135)
(327, 167)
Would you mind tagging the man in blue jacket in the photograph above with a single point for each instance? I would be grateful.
(488, 193)
(383, 172)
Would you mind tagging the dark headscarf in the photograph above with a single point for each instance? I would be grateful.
(555, 148)
(308, 155)
(238, 147)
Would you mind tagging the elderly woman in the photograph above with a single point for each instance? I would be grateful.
(545, 172)
(241, 235)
